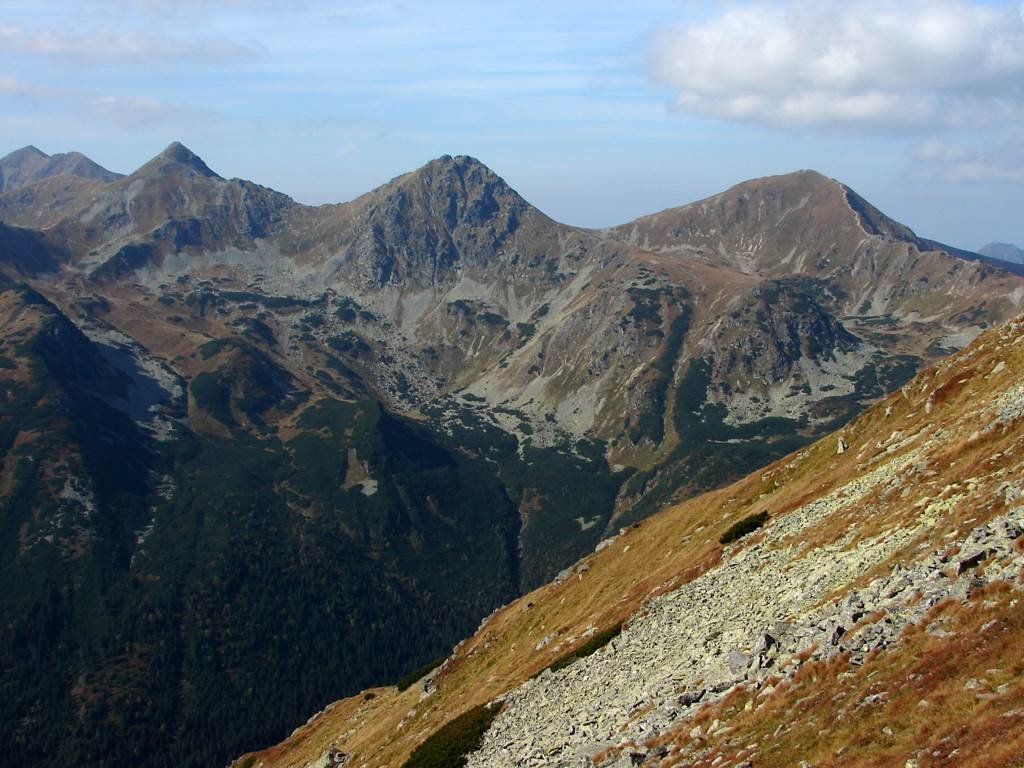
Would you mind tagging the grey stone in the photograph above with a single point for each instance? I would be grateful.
(691, 697)
(687, 648)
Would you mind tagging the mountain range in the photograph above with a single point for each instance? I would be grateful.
(257, 455)
(29, 164)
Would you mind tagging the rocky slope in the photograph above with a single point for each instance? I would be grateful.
(433, 394)
(873, 620)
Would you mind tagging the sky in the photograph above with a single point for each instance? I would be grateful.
(596, 111)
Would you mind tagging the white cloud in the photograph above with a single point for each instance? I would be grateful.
(140, 112)
(126, 111)
(941, 160)
(872, 65)
(10, 85)
(110, 45)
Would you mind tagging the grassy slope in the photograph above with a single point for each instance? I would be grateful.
(681, 542)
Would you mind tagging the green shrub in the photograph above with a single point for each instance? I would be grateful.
(212, 347)
(419, 672)
(741, 528)
(211, 394)
(449, 745)
(596, 643)
(492, 319)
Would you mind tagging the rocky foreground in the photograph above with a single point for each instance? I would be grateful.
(751, 620)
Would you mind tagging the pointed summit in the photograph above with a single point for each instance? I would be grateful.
(461, 181)
(177, 157)
(28, 151)
(20, 167)
(456, 191)
(465, 167)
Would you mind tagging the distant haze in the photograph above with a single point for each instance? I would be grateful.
(1004, 251)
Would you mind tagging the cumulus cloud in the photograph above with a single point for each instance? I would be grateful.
(110, 45)
(873, 66)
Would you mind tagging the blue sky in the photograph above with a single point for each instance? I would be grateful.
(596, 111)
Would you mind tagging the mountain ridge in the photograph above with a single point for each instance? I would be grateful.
(432, 252)
(30, 165)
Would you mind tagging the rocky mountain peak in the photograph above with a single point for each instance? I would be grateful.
(464, 166)
(20, 166)
(177, 157)
(77, 164)
(28, 151)
(806, 183)
(414, 229)
(456, 181)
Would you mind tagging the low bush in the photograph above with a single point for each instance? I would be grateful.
(419, 672)
(449, 745)
(741, 528)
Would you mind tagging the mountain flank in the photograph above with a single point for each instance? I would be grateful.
(870, 620)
